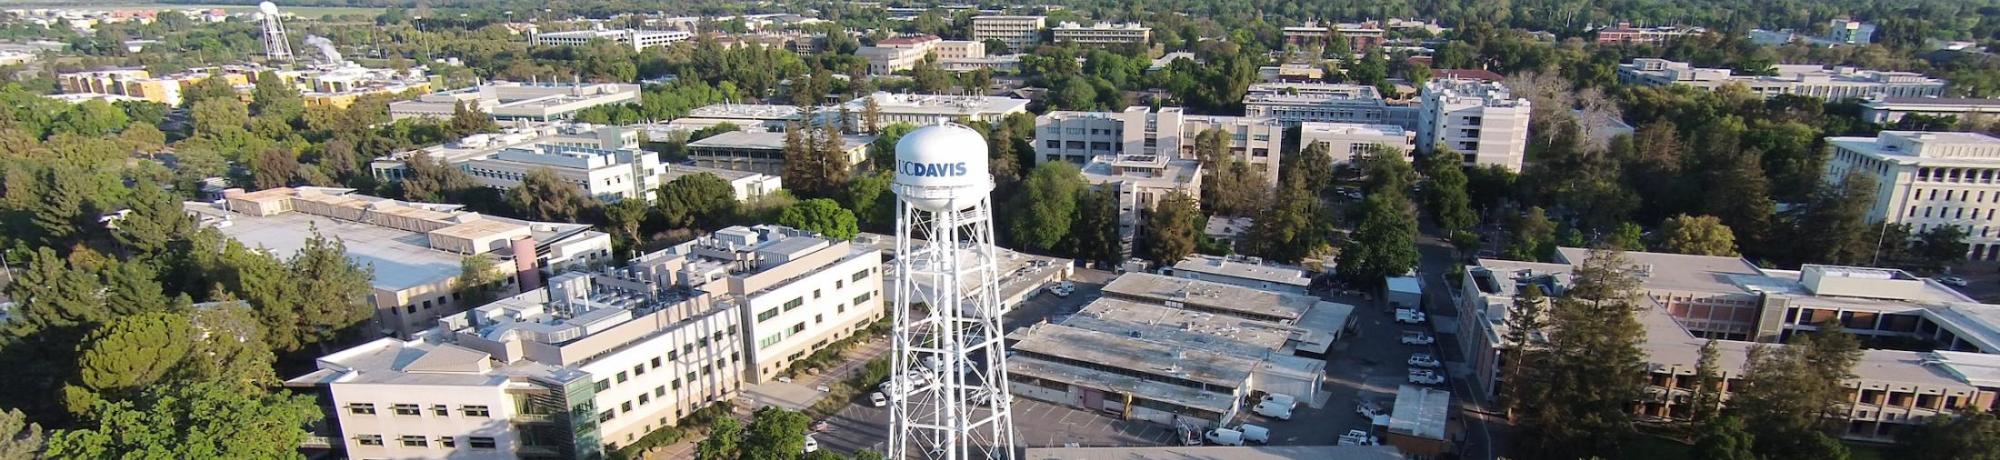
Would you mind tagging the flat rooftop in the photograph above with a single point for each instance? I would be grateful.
(1170, 173)
(1136, 354)
(1200, 263)
(1679, 272)
(1420, 412)
(676, 171)
(1213, 295)
(746, 112)
(1208, 331)
(1215, 453)
(938, 104)
(424, 361)
(399, 259)
(1031, 366)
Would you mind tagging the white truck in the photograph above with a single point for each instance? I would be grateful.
(1224, 437)
(1409, 316)
(1357, 438)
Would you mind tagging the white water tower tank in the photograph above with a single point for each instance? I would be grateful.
(942, 167)
(268, 8)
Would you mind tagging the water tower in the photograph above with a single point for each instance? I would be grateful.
(949, 364)
(277, 48)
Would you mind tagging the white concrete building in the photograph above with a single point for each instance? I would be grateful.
(1928, 179)
(1295, 103)
(761, 152)
(1139, 181)
(1833, 84)
(1019, 32)
(928, 109)
(748, 185)
(1102, 33)
(1889, 110)
(1170, 132)
(1246, 272)
(487, 145)
(639, 40)
(1351, 142)
(518, 101)
(799, 292)
(610, 175)
(1480, 120)
(413, 249)
(592, 362)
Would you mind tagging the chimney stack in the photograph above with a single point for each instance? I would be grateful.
(525, 270)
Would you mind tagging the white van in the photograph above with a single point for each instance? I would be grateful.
(1254, 433)
(1273, 409)
(1224, 437)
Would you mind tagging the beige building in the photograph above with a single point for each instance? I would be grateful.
(532, 101)
(592, 362)
(1928, 179)
(1689, 299)
(1350, 143)
(413, 249)
(799, 292)
(760, 152)
(930, 109)
(1832, 84)
(1169, 132)
(1101, 34)
(1019, 32)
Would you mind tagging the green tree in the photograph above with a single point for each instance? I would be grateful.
(1725, 439)
(332, 296)
(1449, 204)
(1292, 228)
(1383, 244)
(625, 218)
(94, 118)
(1524, 351)
(882, 152)
(870, 199)
(776, 434)
(871, 117)
(126, 356)
(544, 196)
(63, 215)
(208, 89)
(723, 441)
(1093, 236)
(156, 219)
(273, 97)
(1697, 235)
(192, 421)
(822, 216)
(1046, 205)
(1593, 369)
(699, 200)
(274, 168)
(1942, 245)
(1171, 229)
(1707, 398)
(1970, 435)
(1534, 237)
(479, 278)
(466, 120)
(20, 439)
(1792, 397)
(1627, 237)
(1833, 227)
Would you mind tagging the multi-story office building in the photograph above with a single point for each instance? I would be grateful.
(1889, 110)
(1833, 84)
(760, 152)
(1170, 133)
(487, 145)
(1360, 36)
(799, 292)
(415, 250)
(1295, 103)
(1103, 33)
(518, 101)
(1928, 179)
(1019, 32)
(897, 53)
(609, 175)
(591, 362)
(1352, 142)
(1689, 299)
(1480, 120)
(1172, 350)
(929, 109)
(1138, 181)
(639, 40)
(1624, 33)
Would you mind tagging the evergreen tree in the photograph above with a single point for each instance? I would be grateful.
(1534, 237)
(1708, 380)
(801, 169)
(776, 434)
(696, 201)
(1171, 229)
(1383, 243)
(870, 199)
(1449, 204)
(1046, 205)
(1942, 245)
(274, 168)
(128, 355)
(155, 220)
(1093, 235)
(467, 119)
(273, 97)
(1292, 228)
(723, 440)
(1524, 351)
(20, 439)
(834, 166)
(544, 196)
(1725, 439)
(1969, 435)
(63, 215)
(1698, 235)
(871, 115)
(1594, 369)
(1833, 227)
(822, 216)
(332, 296)
(1792, 398)
(1738, 193)
(192, 421)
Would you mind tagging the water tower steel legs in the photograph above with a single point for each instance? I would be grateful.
(963, 412)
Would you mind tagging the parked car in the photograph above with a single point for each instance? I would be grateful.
(811, 444)
(1417, 338)
(1952, 280)
(1254, 433)
(1409, 316)
(1369, 410)
(1273, 410)
(1357, 438)
(1425, 377)
(1424, 360)
(1224, 437)
(877, 399)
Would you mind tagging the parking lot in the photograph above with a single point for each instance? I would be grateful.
(1368, 363)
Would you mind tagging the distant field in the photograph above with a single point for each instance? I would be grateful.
(314, 12)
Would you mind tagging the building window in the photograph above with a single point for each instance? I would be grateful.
(626, 406)
(863, 298)
(794, 303)
(859, 275)
(361, 409)
(448, 442)
(660, 391)
(815, 294)
(606, 416)
(407, 409)
(368, 439)
(415, 441)
(639, 369)
(603, 385)
(474, 410)
(480, 442)
(819, 319)
(677, 384)
(800, 327)
(767, 314)
(440, 410)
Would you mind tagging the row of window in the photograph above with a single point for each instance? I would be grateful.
(440, 410)
(659, 392)
(448, 442)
